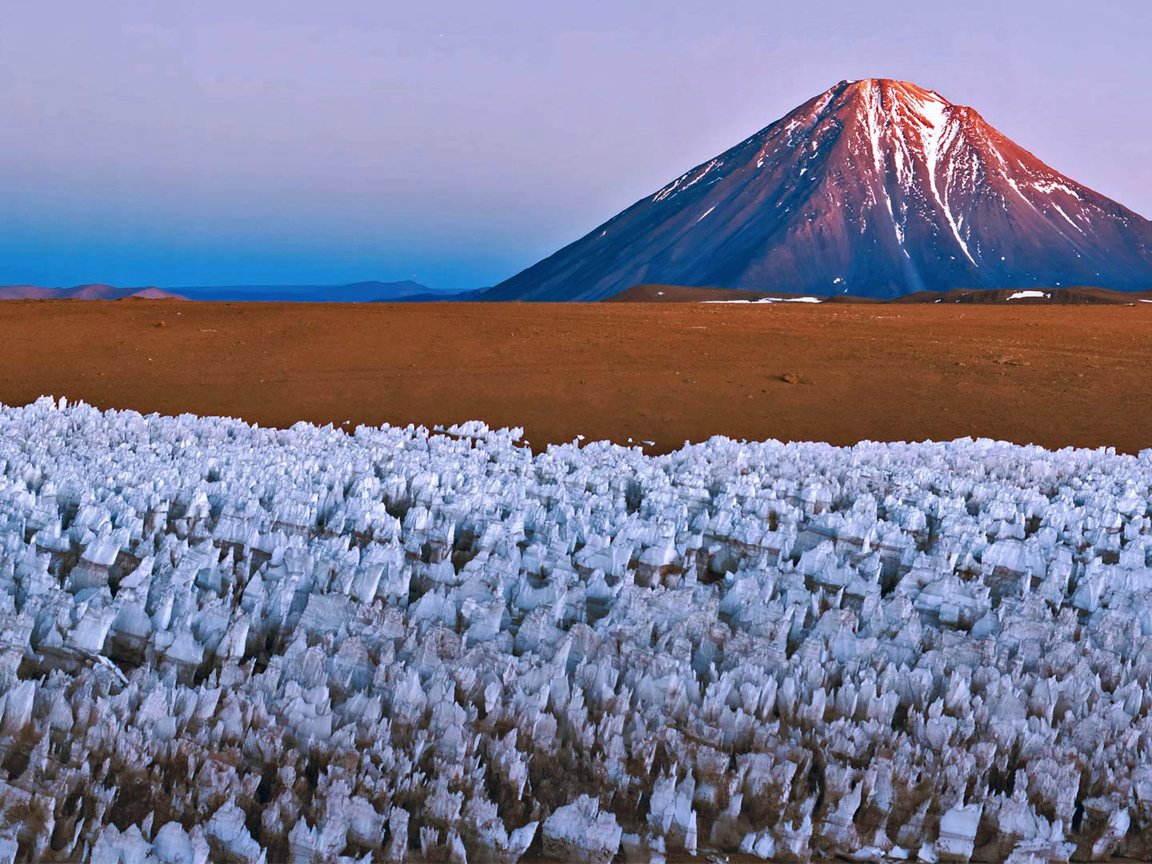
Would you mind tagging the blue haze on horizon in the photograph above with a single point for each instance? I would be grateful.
(209, 142)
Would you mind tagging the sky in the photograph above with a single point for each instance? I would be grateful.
(454, 142)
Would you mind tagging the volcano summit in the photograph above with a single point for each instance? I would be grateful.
(877, 188)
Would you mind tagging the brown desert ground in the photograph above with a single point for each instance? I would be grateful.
(1056, 375)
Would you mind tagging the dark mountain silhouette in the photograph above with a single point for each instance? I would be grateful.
(355, 292)
(876, 188)
(1075, 295)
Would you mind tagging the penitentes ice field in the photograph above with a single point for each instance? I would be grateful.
(220, 642)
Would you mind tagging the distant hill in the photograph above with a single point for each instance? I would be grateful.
(1032, 296)
(1007, 296)
(83, 292)
(689, 294)
(876, 188)
(152, 294)
(355, 292)
(443, 297)
(28, 292)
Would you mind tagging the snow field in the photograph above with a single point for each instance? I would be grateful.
(221, 642)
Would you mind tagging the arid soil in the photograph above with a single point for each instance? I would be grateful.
(1053, 375)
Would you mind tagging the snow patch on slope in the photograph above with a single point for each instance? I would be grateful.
(937, 132)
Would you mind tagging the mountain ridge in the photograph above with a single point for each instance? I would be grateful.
(367, 291)
(354, 292)
(88, 291)
(1069, 296)
(876, 187)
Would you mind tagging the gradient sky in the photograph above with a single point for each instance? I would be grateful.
(200, 142)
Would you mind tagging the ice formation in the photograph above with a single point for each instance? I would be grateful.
(220, 642)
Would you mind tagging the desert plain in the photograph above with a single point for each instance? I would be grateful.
(661, 373)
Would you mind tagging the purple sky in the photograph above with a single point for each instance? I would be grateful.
(198, 142)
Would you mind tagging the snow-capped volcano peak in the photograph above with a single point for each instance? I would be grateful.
(875, 187)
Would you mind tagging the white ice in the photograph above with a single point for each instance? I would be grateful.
(220, 642)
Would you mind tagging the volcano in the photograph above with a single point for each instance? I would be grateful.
(875, 188)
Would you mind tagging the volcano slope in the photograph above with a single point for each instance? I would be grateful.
(875, 188)
(1051, 375)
